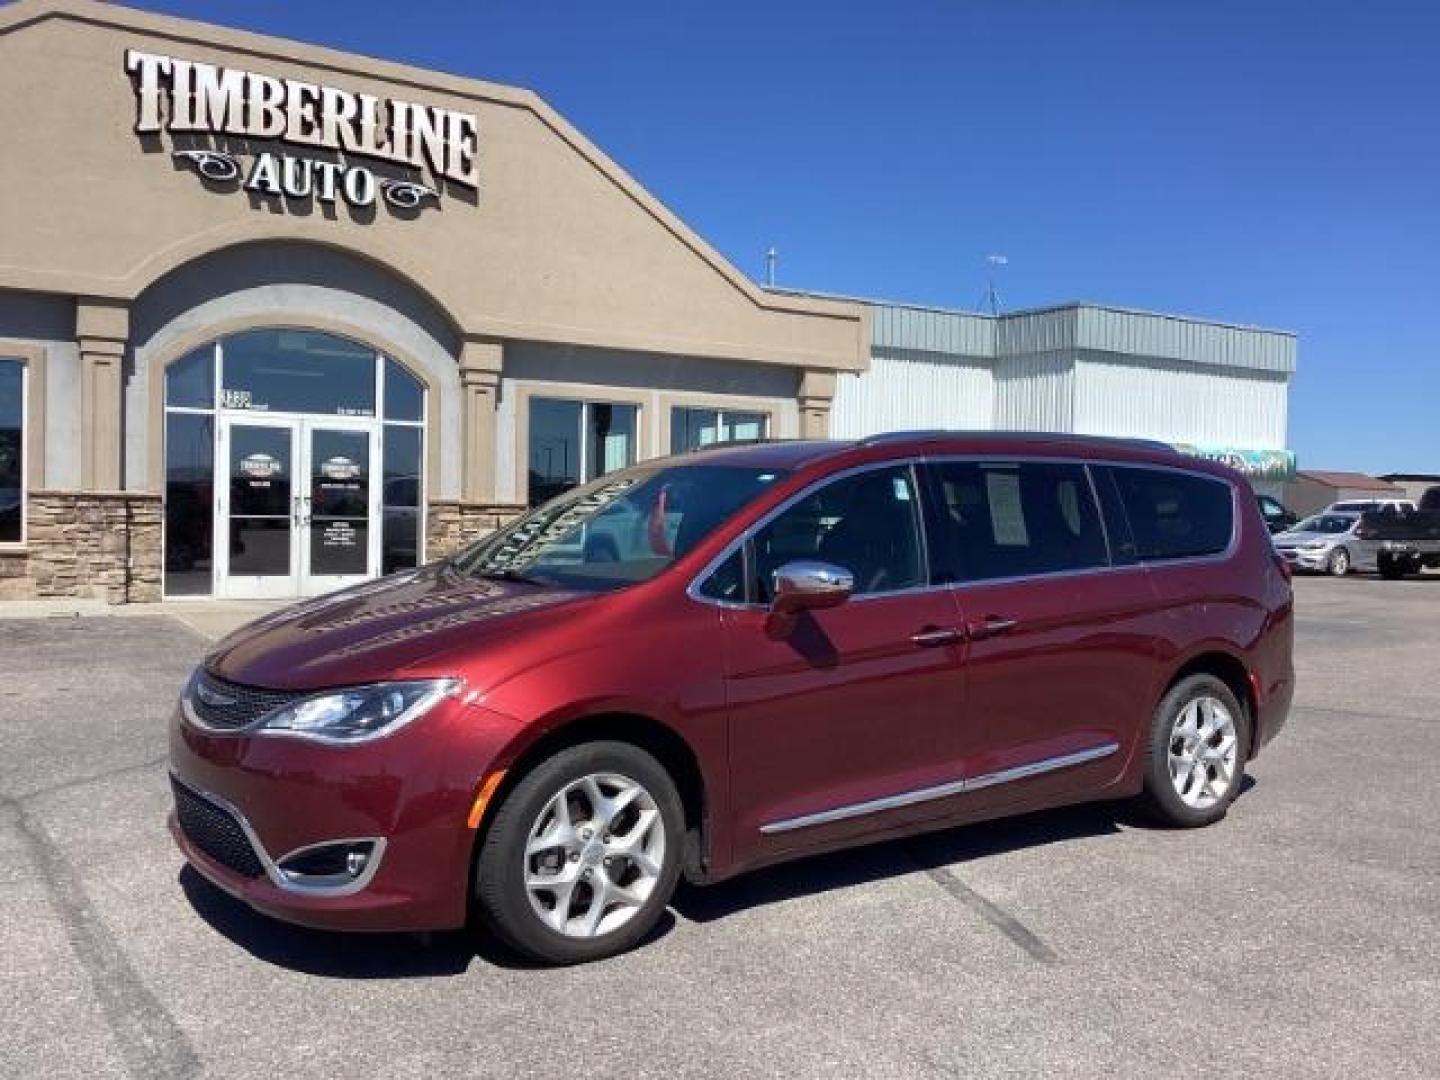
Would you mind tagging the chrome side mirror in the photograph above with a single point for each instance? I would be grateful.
(804, 585)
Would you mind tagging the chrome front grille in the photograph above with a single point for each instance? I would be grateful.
(227, 706)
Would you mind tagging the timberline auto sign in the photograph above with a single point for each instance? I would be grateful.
(188, 97)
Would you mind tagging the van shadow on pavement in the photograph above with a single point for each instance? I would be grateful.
(352, 955)
(340, 955)
(896, 858)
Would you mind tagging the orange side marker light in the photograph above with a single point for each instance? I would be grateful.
(487, 789)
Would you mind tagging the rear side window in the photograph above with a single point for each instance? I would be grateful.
(1175, 515)
(1008, 519)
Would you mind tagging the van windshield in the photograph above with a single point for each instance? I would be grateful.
(619, 530)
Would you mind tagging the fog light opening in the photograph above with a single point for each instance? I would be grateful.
(333, 865)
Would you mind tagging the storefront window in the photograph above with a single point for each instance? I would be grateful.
(298, 371)
(189, 502)
(12, 451)
(404, 394)
(573, 442)
(289, 371)
(690, 429)
(190, 381)
(400, 499)
(401, 503)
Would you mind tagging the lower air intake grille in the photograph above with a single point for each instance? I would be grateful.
(215, 831)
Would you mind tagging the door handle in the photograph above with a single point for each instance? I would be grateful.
(989, 627)
(934, 636)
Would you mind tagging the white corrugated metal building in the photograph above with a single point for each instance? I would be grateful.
(1219, 389)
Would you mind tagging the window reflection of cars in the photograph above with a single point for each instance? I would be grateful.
(9, 512)
(189, 521)
(400, 503)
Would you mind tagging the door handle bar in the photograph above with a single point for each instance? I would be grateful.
(937, 635)
(989, 627)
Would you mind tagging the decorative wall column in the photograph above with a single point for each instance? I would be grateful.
(817, 391)
(481, 363)
(102, 328)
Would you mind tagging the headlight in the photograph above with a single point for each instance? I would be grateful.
(360, 713)
(1315, 545)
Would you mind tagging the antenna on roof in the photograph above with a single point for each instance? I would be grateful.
(771, 255)
(992, 294)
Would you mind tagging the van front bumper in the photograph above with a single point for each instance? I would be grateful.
(371, 837)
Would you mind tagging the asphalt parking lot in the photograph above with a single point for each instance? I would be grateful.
(1300, 937)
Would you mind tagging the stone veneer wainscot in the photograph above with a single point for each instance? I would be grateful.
(92, 545)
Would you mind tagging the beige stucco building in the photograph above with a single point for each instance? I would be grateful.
(275, 318)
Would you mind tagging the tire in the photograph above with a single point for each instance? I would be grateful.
(1391, 568)
(1188, 799)
(1338, 564)
(637, 873)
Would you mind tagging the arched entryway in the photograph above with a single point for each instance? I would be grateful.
(294, 465)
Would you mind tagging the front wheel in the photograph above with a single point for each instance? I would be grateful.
(1339, 563)
(583, 854)
(1198, 740)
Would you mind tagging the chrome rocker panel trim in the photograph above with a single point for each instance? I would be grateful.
(941, 791)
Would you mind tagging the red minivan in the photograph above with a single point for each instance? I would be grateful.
(707, 663)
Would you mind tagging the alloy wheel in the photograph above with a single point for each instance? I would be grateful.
(1204, 753)
(1340, 563)
(594, 855)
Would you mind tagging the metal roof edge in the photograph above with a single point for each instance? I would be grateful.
(1069, 305)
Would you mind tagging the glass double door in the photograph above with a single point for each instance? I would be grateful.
(298, 508)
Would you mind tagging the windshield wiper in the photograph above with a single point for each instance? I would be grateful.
(511, 574)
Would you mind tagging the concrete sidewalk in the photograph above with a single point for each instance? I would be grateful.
(211, 619)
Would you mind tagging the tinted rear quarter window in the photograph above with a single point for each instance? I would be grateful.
(1175, 515)
(1012, 519)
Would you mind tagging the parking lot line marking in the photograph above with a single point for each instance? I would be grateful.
(994, 914)
(152, 1043)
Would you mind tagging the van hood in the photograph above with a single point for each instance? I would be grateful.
(377, 630)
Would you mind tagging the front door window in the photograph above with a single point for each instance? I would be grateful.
(339, 503)
(299, 508)
(261, 514)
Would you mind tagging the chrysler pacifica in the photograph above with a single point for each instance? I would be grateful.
(708, 663)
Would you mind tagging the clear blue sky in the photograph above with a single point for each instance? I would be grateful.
(1253, 161)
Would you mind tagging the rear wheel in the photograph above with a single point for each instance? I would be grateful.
(1339, 562)
(1391, 567)
(583, 854)
(1198, 741)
